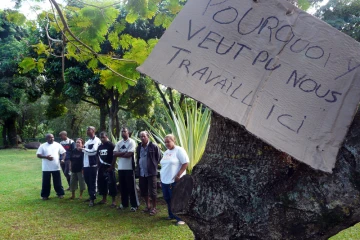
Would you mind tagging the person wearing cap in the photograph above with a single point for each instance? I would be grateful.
(69, 145)
(124, 152)
(90, 163)
(106, 174)
(49, 153)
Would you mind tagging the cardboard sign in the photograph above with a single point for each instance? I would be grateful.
(289, 78)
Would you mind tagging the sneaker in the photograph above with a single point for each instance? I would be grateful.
(91, 203)
(61, 196)
(180, 222)
(133, 209)
(120, 207)
(45, 198)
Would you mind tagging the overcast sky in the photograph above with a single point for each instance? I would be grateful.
(31, 13)
(26, 7)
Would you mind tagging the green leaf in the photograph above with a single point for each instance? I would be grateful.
(131, 17)
(27, 64)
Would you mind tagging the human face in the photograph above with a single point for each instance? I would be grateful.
(79, 144)
(103, 138)
(50, 138)
(63, 137)
(169, 143)
(124, 133)
(90, 132)
(144, 138)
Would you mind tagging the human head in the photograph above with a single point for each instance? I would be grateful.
(63, 135)
(170, 141)
(90, 131)
(79, 143)
(144, 137)
(124, 133)
(103, 137)
(49, 138)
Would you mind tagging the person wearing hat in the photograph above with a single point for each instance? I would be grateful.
(90, 163)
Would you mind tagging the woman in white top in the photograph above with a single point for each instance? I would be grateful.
(173, 166)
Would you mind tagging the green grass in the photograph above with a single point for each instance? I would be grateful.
(23, 215)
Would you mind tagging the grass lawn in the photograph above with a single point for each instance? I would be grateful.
(23, 215)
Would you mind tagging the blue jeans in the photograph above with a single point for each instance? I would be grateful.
(167, 192)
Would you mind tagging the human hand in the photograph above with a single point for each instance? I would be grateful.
(49, 157)
(177, 178)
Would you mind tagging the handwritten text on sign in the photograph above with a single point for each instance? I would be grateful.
(289, 78)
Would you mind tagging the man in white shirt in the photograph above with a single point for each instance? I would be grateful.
(124, 152)
(50, 152)
(90, 163)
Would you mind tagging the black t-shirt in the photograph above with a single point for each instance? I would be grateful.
(77, 160)
(105, 152)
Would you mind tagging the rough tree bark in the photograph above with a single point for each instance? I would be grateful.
(245, 189)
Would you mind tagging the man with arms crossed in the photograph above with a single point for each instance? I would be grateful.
(50, 152)
(90, 163)
(106, 172)
(124, 151)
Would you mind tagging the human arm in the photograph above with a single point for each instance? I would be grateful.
(182, 169)
(48, 157)
(184, 161)
(91, 149)
(40, 153)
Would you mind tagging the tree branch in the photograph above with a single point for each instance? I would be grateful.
(93, 103)
(67, 29)
(163, 97)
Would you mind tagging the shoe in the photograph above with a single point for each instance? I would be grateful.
(87, 200)
(101, 202)
(91, 203)
(61, 196)
(180, 222)
(68, 189)
(133, 209)
(120, 207)
(153, 212)
(45, 198)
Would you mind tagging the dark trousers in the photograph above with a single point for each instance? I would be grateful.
(148, 186)
(90, 180)
(106, 181)
(167, 193)
(46, 183)
(128, 188)
(66, 169)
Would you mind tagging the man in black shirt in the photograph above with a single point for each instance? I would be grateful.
(106, 173)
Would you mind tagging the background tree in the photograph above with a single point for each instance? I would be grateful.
(14, 88)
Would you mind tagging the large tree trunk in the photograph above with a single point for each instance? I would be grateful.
(245, 189)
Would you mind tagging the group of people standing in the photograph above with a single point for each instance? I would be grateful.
(93, 163)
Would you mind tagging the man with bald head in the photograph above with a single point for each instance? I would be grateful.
(49, 153)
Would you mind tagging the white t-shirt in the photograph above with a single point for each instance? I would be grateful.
(125, 146)
(54, 149)
(91, 147)
(171, 163)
